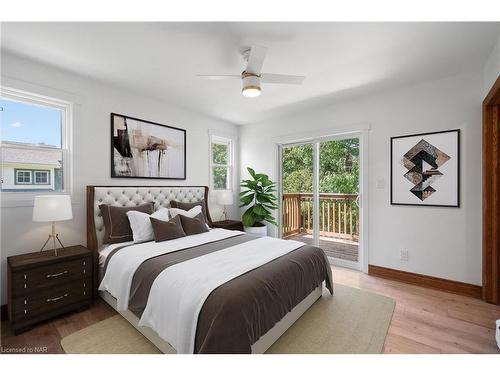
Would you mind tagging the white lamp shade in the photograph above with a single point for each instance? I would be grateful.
(52, 208)
(225, 198)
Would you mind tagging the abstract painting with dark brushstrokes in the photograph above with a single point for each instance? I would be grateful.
(143, 149)
(422, 162)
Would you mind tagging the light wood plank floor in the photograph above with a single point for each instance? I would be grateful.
(425, 320)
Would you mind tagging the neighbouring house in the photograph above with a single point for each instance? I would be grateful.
(29, 167)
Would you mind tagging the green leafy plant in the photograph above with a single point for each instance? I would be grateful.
(261, 199)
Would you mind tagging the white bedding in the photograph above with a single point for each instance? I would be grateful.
(187, 285)
(122, 266)
(107, 249)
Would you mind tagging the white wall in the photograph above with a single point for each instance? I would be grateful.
(442, 242)
(491, 69)
(91, 151)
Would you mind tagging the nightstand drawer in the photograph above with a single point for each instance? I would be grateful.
(29, 280)
(48, 299)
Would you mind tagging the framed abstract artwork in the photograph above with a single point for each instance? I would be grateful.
(425, 169)
(145, 149)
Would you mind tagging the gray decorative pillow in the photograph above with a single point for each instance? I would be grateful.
(167, 230)
(116, 225)
(193, 225)
(188, 206)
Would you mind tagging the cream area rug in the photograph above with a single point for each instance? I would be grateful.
(352, 321)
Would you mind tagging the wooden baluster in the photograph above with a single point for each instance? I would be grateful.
(308, 214)
(345, 216)
(333, 215)
(350, 219)
(285, 229)
(328, 216)
(322, 203)
(339, 221)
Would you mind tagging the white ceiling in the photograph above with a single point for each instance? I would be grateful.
(339, 60)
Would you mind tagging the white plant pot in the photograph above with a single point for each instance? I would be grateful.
(257, 231)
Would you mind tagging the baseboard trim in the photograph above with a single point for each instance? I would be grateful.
(4, 315)
(457, 287)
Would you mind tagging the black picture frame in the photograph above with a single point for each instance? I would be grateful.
(112, 143)
(457, 205)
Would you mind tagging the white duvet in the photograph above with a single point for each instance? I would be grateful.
(122, 266)
(178, 293)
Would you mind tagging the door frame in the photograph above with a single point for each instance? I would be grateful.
(362, 135)
(491, 195)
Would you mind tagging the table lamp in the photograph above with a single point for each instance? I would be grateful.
(52, 208)
(225, 198)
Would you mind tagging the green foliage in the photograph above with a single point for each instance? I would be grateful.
(219, 158)
(259, 195)
(333, 175)
(219, 153)
(220, 178)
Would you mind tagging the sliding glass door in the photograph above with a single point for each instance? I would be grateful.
(297, 192)
(320, 189)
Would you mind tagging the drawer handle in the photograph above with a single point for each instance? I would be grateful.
(57, 298)
(57, 274)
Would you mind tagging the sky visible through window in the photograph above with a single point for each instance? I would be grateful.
(29, 123)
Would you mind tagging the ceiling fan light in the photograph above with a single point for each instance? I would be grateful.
(251, 86)
(251, 91)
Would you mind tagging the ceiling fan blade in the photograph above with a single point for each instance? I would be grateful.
(281, 78)
(218, 77)
(256, 59)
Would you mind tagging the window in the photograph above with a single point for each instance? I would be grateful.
(29, 177)
(23, 176)
(42, 177)
(35, 143)
(221, 163)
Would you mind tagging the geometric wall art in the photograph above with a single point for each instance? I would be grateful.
(425, 169)
(145, 149)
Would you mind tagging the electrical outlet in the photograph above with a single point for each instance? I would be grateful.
(380, 183)
(404, 255)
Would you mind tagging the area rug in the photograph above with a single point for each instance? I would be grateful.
(353, 321)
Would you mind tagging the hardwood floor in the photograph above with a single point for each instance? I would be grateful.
(424, 321)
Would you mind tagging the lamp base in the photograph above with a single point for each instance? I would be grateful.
(54, 236)
(224, 213)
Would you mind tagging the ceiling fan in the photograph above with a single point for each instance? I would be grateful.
(252, 76)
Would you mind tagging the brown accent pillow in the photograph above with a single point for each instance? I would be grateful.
(116, 225)
(193, 225)
(188, 206)
(167, 230)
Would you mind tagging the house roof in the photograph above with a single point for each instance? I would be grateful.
(14, 154)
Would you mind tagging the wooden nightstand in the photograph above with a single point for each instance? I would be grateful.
(228, 224)
(41, 286)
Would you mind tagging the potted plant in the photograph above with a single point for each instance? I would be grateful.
(259, 195)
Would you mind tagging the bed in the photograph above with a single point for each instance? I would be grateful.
(216, 292)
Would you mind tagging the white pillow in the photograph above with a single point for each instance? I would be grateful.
(196, 210)
(142, 230)
(191, 213)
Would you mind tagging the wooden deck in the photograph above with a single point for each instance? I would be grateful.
(333, 247)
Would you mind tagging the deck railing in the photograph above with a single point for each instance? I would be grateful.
(338, 215)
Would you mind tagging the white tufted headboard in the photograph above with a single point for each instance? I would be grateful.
(129, 196)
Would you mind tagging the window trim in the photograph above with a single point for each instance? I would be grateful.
(20, 199)
(217, 139)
